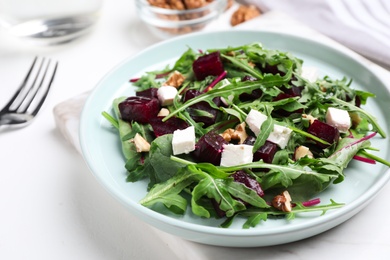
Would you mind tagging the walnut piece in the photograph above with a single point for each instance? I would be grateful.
(183, 5)
(176, 79)
(243, 14)
(309, 117)
(282, 202)
(239, 134)
(141, 144)
(191, 4)
(163, 112)
(302, 151)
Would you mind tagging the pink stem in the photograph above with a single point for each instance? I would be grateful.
(364, 159)
(356, 142)
(215, 81)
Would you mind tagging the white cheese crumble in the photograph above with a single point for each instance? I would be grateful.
(254, 120)
(280, 136)
(166, 94)
(338, 118)
(236, 154)
(310, 73)
(183, 141)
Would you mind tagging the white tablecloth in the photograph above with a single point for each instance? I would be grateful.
(51, 207)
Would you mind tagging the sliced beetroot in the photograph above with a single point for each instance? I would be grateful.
(325, 132)
(150, 93)
(168, 127)
(202, 106)
(357, 100)
(218, 210)
(266, 152)
(273, 69)
(139, 109)
(244, 178)
(209, 148)
(208, 65)
(282, 96)
(255, 94)
(294, 91)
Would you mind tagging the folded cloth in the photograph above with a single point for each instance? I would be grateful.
(363, 26)
(67, 115)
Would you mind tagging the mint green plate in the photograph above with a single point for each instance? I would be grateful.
(102, 152)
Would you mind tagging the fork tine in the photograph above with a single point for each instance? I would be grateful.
(31, 89)
(21, 87)
(43, 98)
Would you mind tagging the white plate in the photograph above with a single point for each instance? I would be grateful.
(101, 146)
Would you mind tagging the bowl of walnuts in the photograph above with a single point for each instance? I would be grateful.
(167, 18)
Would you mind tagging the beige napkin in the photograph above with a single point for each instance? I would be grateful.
(67, 115)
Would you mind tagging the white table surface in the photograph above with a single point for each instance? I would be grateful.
(51, 207)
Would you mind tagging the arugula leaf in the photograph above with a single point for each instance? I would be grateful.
(159, 159)
(266, 128)
(214, 189)
(169, 191)
(243, 64)
(184, 63)
(239, 190)
(226, 91)
(255, 215)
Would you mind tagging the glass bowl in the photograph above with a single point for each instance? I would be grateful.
(166, 23)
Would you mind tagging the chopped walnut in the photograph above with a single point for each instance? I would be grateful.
(227, 134)
(309, 117)
(183, 5)
(163, 112)
(176, 79)
(160, 3)
(355, 118)
(243, 14)
(177, 4)
(282, 202)
(141, 144)
(302, 151)
(251, 64)
(191, 4)
(239, 134)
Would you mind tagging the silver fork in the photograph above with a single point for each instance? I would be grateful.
(29, 98)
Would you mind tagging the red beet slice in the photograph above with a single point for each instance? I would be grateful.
(273, 69)
(202, 106)
(150, 93)
(244, 178)
(208, 65)
(168, 127)
(209, 148)
(294, 91)
(325, 132)
(255, 94)
(266, 152)
(139, 109)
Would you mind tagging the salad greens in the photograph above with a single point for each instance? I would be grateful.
(254, 78)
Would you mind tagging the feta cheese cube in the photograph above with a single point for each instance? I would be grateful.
(254, 120)
(236, 154)
(183, 141)
(166, 94)
(338, 118)
(310, 73)
(280, 136)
